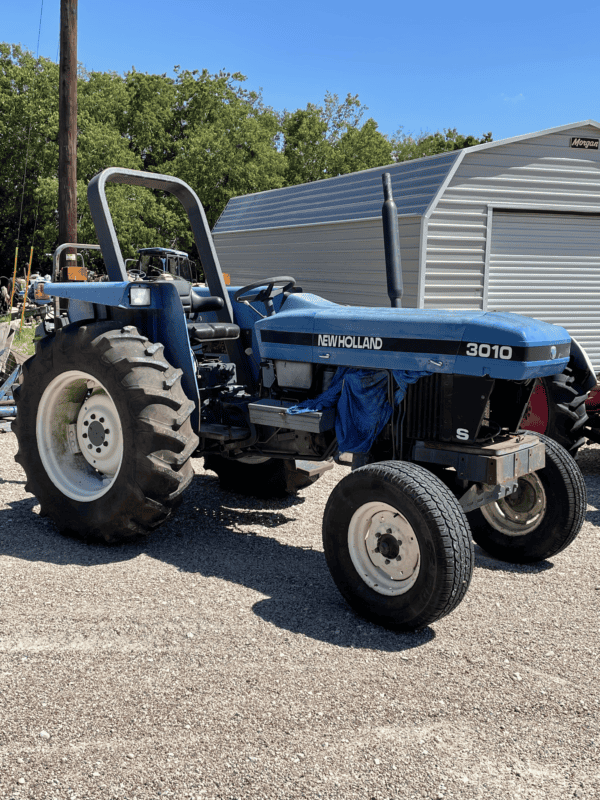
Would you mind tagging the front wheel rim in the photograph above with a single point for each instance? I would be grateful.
(521, 512)
(384, 549)
(79, 436)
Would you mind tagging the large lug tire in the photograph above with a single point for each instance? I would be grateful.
(557, 409)
(397, 544)
(104, 432)
(256, 476)
(541, 518)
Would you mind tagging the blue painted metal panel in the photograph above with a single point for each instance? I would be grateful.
(460, 342)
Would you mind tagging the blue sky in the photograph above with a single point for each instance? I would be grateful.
(510, 68)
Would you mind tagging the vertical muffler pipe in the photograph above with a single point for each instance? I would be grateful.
(391, 243)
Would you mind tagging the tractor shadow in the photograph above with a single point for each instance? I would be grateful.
(217, 534)
(484, 560)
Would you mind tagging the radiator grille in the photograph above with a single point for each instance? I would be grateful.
(424, 409)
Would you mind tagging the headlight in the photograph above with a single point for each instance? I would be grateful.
(139, 295)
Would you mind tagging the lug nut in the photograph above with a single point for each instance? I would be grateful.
(387, 561)
(398, 558)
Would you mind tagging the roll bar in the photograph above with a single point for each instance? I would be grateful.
(107, 236)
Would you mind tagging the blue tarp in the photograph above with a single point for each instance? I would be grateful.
(360, 397)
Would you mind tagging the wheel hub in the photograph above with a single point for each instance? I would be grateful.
(384, 548)
(97, 424)
(520, 512)
(79, 434)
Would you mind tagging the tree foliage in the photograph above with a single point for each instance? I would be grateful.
(408, 146)
(328, 140)
(209, 130)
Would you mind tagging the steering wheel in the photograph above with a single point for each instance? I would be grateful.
(136, 273)
(266, 295)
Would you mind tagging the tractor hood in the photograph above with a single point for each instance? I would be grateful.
(499, 345)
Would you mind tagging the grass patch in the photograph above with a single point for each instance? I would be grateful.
(23, 341)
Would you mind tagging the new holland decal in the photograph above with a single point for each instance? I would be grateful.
(353, 342)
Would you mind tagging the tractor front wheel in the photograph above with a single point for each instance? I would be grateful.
(397, 544)
(104, 432)
(541, 518)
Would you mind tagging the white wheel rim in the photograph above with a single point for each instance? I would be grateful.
(384, 548)
(519, 513)
(79, 436)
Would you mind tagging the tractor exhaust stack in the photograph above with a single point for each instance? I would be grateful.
(391, 243)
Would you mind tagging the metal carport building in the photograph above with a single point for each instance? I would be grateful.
(512, 225)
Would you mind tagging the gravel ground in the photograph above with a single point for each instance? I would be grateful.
(217, 660)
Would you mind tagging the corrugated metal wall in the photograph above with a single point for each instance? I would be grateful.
(343, 262)
(540, 171)
(547, 266)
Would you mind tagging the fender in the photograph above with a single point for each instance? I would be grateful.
(580, 363)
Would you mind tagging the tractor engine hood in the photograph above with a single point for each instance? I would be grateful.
(479, 343)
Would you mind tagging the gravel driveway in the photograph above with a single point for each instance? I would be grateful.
(217, 660)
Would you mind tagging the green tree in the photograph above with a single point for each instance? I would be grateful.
(28, 150)
(226, 139)
(328, 140)
(408, 146)
(207, 129)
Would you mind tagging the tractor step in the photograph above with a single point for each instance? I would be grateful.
(313, 469)
(223, 433)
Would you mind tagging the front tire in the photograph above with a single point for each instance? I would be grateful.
(397, 544)
(541, 518)
(104, 432)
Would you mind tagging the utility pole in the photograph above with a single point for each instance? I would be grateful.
(67, 130)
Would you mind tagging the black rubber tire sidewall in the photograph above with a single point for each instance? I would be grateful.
(431, 596)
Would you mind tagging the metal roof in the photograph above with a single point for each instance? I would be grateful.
(358, 195)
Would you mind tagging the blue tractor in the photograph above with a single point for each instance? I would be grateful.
(269, 384)
(159, 262)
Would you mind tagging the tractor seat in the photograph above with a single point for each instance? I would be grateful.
(194, 303)
(212, 331)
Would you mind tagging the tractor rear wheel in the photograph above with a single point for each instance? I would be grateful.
(104, 432)
(397, 544)
(557, 409)
(258, 476)
(541, 518)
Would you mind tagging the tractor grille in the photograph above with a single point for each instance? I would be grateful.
(424, 409)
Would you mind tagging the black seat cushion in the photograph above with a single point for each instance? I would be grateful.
(211, 331)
